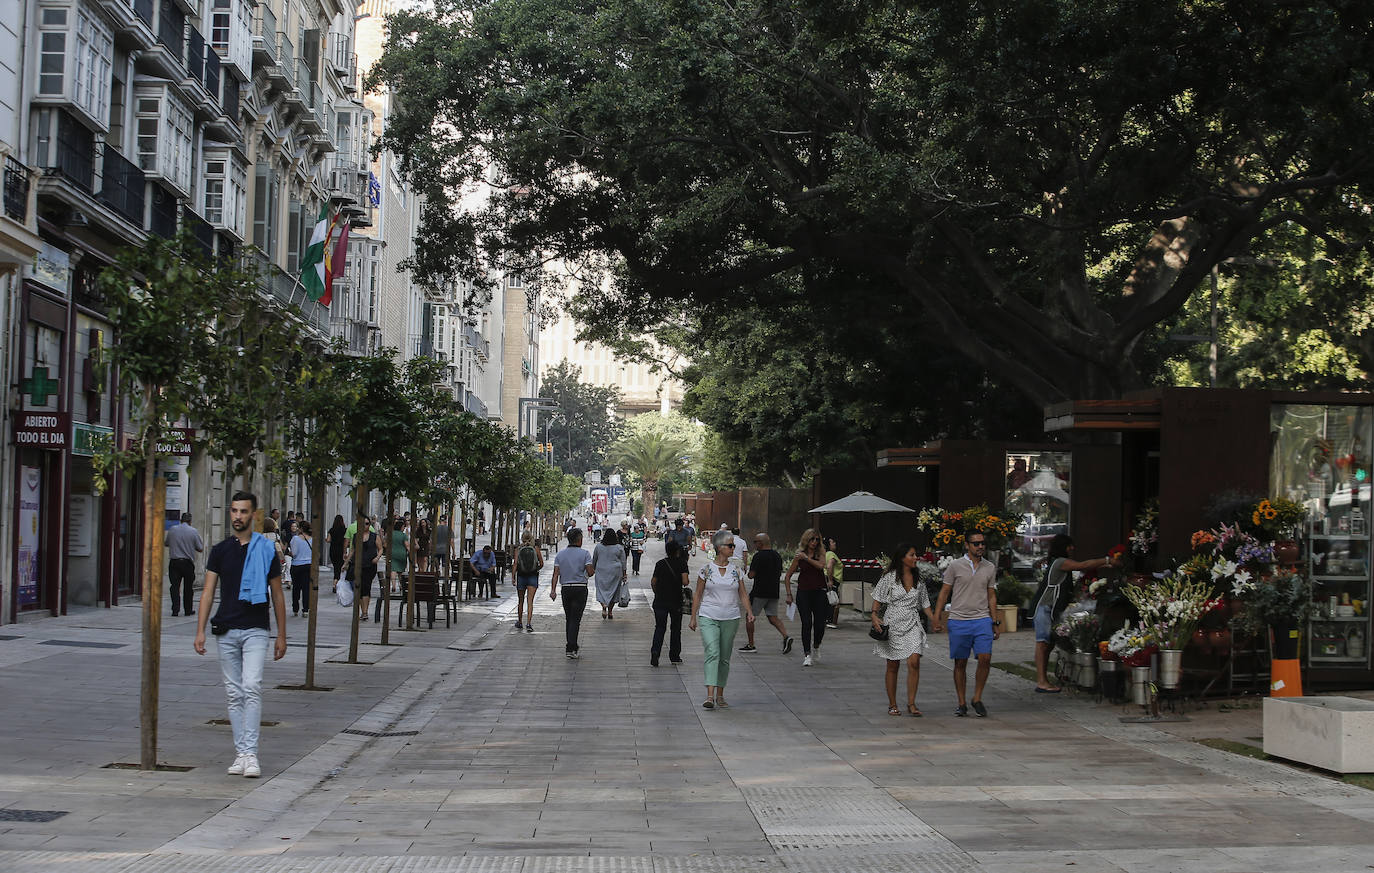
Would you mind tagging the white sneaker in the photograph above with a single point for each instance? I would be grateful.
(816, 655)
(806, 662)
(236, 768)
(250, 766)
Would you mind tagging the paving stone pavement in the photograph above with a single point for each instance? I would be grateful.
(479, 748)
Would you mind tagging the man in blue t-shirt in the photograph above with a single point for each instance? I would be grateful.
(242, 627)
(484, 565)
(571, 566)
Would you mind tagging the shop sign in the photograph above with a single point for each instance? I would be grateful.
(52, 267)
(176, 441)
(86, 438)
(42, 430)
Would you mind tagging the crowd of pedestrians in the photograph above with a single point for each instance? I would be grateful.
(734, 588)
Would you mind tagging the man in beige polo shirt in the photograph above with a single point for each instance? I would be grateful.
(970, 589)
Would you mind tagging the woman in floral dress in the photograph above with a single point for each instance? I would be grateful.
(898, 601)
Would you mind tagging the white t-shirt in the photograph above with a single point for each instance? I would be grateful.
(720, 597)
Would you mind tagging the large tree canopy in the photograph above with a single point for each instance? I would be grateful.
(1040, 181)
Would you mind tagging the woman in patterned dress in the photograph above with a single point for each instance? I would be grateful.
(898, 601)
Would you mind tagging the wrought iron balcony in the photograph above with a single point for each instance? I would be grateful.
(122, 186)
(71, 153)
(162, 213)
(16, 190)
(264, 35)
(200, 229)
(171, 29)
(476, 342)
(212, 72)
(195, 54)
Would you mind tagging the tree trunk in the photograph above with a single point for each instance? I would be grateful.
(359, 495)
(386, 586)
(317, 524)
(410, 567)
(154, 511)
(649, 494)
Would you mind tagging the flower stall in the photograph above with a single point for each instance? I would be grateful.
(1264, 496)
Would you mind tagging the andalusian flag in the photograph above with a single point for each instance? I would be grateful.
(312, 264)
(338, 257)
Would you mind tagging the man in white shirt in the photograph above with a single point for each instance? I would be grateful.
(741, 556)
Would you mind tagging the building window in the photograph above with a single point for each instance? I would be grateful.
(81, 74)
(164, 127)
(52, 51)
(515, 282)
(265, 210)
(226, 190)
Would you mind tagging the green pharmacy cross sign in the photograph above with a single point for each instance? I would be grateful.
(38, 386)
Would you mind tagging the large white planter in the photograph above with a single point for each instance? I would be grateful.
(1334, 733)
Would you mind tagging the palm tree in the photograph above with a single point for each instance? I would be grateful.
(650, 456)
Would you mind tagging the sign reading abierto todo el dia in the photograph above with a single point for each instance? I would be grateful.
(42, 430)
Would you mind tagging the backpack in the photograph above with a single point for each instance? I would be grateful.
(526, 561)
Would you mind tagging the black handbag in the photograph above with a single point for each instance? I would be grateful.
(879, 634)
(686, 600)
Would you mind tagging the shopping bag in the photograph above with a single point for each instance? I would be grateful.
(343, 592)
(792, 611)
(624, 594)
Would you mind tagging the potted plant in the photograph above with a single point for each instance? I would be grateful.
(1011, 596)
(1282, 602)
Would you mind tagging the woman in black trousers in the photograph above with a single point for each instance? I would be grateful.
(670, 577)
(812, 604)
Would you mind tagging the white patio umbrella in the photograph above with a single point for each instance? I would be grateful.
(862, 502)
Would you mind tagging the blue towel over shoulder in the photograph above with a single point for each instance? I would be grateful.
(256, 565)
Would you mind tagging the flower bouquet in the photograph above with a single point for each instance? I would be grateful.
(931, 567)
(1275, 518)
(1144, 536)
(1133, 646)
(1080, 629)
(1172, 608)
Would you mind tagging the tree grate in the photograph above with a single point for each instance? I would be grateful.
(82, 644)
(460, 649)
(358, 733)
(31, 815)
(225, 721)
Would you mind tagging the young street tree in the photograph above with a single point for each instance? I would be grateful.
(162, 300)
(1041, 182)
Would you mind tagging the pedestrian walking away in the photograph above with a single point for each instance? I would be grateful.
(834, 575)
(669, 580)
(717, 603)
(443, 540)
(766, 571)
(812, 605)
(637, 546)
(970, 590)
(898, 601)
(246, 570)
(337, 540)
(1051, 600)
(302, 547)
(183, 541)
(608, 562)
(571, 567)
(528, 562)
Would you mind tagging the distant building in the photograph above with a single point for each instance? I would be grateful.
(641, 389)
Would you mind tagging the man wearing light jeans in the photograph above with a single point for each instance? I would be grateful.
(242, 626)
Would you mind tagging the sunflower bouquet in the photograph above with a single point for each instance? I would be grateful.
(1273, 518)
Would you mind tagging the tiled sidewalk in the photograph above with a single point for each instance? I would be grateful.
(524, 761)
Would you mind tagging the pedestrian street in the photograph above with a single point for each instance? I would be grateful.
(482, 748)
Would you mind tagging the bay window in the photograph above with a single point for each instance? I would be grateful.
(165, 127)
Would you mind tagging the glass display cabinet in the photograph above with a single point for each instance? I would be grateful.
(1321, 458)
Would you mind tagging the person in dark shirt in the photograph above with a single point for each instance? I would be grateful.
(766, 571)
(670, 577)
(242, 624)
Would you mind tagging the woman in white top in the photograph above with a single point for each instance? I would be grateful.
(718, 600)
(898, 601)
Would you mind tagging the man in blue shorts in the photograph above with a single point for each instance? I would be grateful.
(970, 589)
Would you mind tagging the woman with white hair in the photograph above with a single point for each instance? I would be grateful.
(719, 599)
